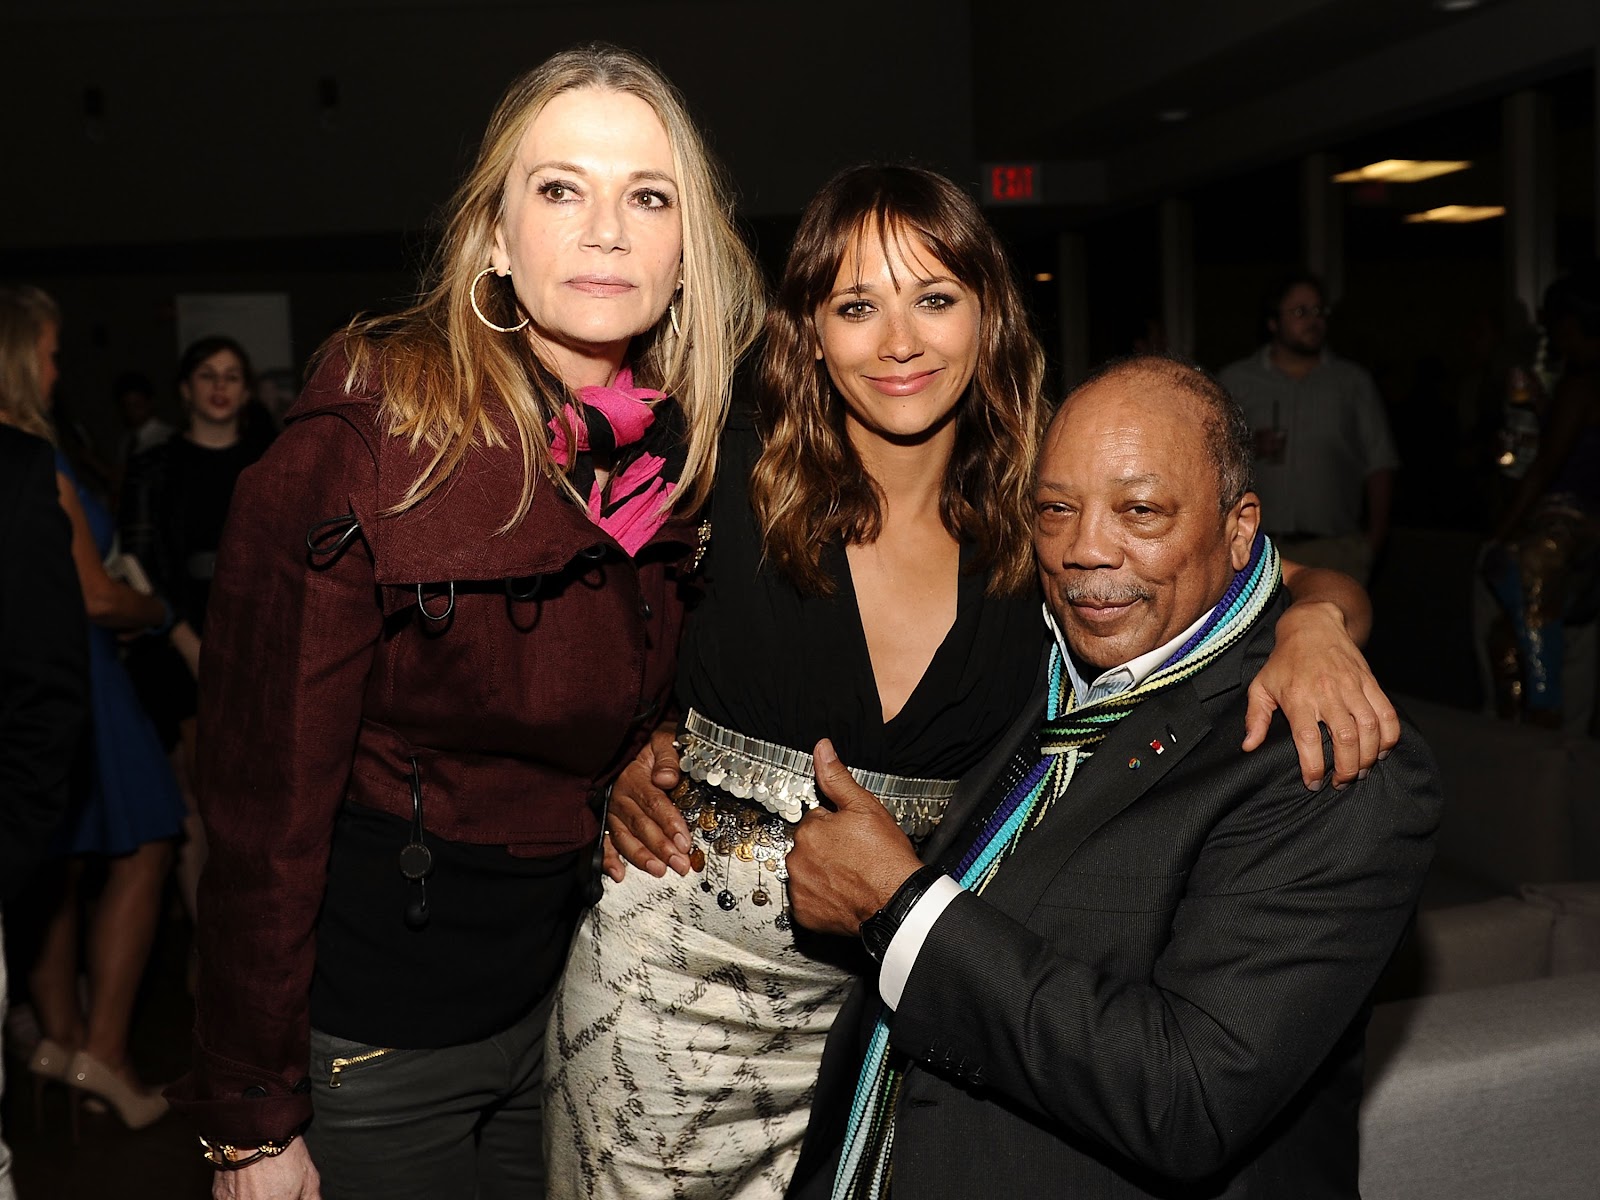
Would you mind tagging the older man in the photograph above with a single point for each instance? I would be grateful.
(1141, 967)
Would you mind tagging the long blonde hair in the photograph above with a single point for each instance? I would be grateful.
(25, 312)
(435, 361)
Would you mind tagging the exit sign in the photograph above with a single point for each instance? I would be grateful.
(1013, 183)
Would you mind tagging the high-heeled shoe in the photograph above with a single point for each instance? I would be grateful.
(47, 1064)
(87, 1075)
(49, 1059)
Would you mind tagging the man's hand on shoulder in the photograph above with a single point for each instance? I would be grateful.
(848, 863)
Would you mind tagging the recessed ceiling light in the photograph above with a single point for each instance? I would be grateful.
(1402, 170)
(1456, 214)
(1173, 115)
(1044, 277)
(1456, 6)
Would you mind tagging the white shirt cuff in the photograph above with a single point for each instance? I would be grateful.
(907, 941)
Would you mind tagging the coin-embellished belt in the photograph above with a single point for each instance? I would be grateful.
(738, 848)
(783, 781)
(742, 796)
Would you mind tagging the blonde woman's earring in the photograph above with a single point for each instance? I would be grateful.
(672, 310)
(472, 294)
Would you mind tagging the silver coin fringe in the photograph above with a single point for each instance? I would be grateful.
(783, 781)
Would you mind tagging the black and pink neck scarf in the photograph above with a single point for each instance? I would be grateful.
(608, 419)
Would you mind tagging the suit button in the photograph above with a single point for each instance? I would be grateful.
(644, 610)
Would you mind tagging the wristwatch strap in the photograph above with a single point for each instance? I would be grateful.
(878, 930)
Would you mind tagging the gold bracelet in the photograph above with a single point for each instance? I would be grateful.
(220, 1154)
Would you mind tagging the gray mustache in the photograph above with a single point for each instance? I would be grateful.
(1128, 593)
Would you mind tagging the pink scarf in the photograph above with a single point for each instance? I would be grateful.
(613, 416)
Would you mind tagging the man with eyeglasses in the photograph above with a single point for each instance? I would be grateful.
(1324, 456)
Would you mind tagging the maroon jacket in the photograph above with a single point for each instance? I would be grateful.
(322, 679)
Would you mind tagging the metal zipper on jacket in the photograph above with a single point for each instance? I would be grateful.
(340, 1064)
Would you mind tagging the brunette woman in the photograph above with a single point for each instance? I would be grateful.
(445, 612)
(873, 582)
(129, 810)
(175, 497)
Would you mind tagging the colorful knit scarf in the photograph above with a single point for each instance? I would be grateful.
(1067, 739)
(633, 505)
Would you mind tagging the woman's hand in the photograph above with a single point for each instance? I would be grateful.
(646, 827)
(1316, 674)
(110, 603)
(187, 643)
(289, 1176)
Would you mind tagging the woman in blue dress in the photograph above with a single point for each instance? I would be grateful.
(130, 808)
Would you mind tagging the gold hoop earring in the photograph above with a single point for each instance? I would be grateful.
(672, 310)
(472, 295)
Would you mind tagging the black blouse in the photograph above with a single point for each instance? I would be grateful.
(174, 505)
(770, 662)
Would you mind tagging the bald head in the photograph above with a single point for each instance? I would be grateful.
(1142, 510)
(1218, 419)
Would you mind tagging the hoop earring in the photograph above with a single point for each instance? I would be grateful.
(672, 315)
(472, 295)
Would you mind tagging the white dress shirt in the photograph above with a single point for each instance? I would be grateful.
(907, 942)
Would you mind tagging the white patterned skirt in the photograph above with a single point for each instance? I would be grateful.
(683, 1050)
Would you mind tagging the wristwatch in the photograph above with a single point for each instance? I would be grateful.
(878, 930)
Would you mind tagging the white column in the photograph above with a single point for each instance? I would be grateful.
(1529, 196)
(1177, 274)
(1322, 222)
(1072, 306)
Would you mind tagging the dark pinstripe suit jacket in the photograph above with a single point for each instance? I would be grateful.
(1164, 991)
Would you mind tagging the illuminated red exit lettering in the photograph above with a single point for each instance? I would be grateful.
(1011, 183)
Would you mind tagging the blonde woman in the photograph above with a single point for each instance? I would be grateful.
(445, 612)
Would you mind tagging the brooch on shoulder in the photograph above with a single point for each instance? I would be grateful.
(702, 544)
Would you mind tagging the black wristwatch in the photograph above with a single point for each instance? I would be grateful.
(878, 930)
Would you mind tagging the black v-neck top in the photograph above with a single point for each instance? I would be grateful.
(770, 662)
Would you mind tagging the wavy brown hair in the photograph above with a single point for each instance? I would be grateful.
(809, 486)
(435, 361)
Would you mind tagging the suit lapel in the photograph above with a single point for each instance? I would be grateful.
(1108, 783)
